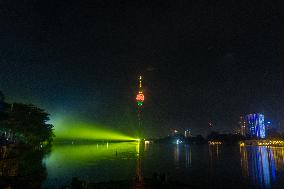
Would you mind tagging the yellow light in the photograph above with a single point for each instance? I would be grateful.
(214, 143)
(140, 81)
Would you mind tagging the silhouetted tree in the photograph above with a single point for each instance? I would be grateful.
(3, 107)
(25, 170)
(29, 124)
(213, 135)
(199, 139)
(2, 97)
(225, 138)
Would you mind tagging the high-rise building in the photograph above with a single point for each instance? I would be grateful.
(243, 126)
(187, 133)
(255, 126)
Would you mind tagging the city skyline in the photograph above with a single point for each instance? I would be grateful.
(201, 63)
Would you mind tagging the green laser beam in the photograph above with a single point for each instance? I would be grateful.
(85, 131)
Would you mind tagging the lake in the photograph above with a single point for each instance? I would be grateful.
(198, 166)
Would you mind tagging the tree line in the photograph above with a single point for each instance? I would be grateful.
(24, 123)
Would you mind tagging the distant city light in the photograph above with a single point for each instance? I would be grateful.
(263, 143)
(187, 133)
(269, 143)
(178, 141)
(214, 142)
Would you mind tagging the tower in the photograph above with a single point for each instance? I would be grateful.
(140, 100)
(140, 95)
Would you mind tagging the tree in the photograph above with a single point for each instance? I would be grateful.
(213, 136)
(3, 107)
(29, 124)
(2, 97)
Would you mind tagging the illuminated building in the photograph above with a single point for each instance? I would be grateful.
(243, 127)
(255, 125)
(268, 125)
(271, 129)
(187, 133)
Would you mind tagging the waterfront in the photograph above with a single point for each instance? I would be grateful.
(197, 166)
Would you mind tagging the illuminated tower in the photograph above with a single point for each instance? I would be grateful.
(140, 95)
(140, 100)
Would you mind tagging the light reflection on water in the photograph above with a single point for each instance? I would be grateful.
(91, 162)
(215, 164)
(177, 154)
(187, 156)
(260, 164)
(202, 166)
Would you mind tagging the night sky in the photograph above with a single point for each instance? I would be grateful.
(201, 62)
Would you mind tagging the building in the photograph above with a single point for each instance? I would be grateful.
(254, 125)
(272, 130)
(187, 133)
(243, 126)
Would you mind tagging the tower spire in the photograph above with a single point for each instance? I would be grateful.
(140, 83)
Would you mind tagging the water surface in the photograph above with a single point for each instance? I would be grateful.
(199, 166)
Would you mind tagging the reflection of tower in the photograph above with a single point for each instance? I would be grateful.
(139, 180)
(140, 100)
